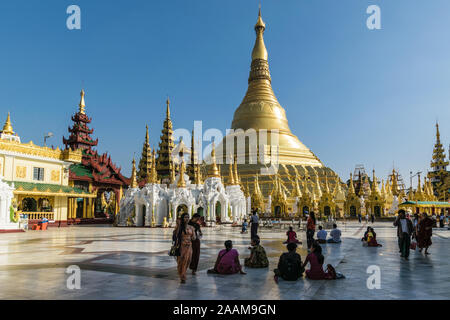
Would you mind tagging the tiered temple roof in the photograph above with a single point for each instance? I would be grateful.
(94, 168)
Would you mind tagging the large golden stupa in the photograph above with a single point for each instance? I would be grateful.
(259, 110)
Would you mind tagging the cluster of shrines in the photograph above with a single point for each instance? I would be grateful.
(78, 185)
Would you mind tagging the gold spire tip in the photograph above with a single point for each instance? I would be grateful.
(7, 128)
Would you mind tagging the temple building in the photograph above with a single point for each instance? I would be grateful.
(95, 174)
(262, 121)
(38, 179)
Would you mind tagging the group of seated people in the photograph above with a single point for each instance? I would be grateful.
(370, 238)
(227, 261)
(290, 265)
(335, 235)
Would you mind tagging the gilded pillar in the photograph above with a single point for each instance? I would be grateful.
(84, 208)
(69, 208)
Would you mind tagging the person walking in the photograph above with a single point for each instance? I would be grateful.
(185, 234)
(195, 223)
(359, 217)
(405, 229)
(424, 233)
(372, 216)
(254, 220)
(310, 229)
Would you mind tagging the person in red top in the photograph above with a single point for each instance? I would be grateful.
(316, 259)
(292, 236)
(310, 229)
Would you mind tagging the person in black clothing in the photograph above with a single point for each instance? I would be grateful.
(405, 230)
(372, 217)
(290, 265)
(195, 222)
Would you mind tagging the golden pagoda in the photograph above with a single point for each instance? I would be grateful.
(145, 163)
(260, 111)
(7, 128)
(164, 162)
(133, 179)
(213, 171)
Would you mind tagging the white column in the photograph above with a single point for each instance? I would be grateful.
(4, 217)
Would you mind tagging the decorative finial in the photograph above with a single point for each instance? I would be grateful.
(7, 128)
(134, 183)
(259, 50)
(82, 105)
(168, 107)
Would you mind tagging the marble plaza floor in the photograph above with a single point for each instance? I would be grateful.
(132, 263)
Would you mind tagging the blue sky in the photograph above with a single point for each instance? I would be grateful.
(352, 95)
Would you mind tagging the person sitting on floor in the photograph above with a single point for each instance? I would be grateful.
(258, 257)
(244, 226)
(227, 261)
(292, 236)
(316, 259)
(372, 239)
(290, 265)
(322, 235)
(335, 235)
(365, 235)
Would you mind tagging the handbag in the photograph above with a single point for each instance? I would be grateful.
(413, 245)
(175, 250)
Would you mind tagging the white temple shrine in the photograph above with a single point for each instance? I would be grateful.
(157, 204)
(7, 222)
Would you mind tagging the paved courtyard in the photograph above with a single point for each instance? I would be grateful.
(132, 263)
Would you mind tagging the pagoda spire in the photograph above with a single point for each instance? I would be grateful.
(375, 189)
(181, 183)
(213, 171)
(351, 187)
(438, 162)
(80, 133)
(231, 181)
(164, 163)
(193, 160)
(327, 188)
(82, 104)
(198, 175)
(146, 159)
(383, 191)
(296, 192)
(7, 128)
(236, 175)
(153, 174)
(133, 179)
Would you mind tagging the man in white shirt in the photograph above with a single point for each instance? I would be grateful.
(322, 235)
(335, 235)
